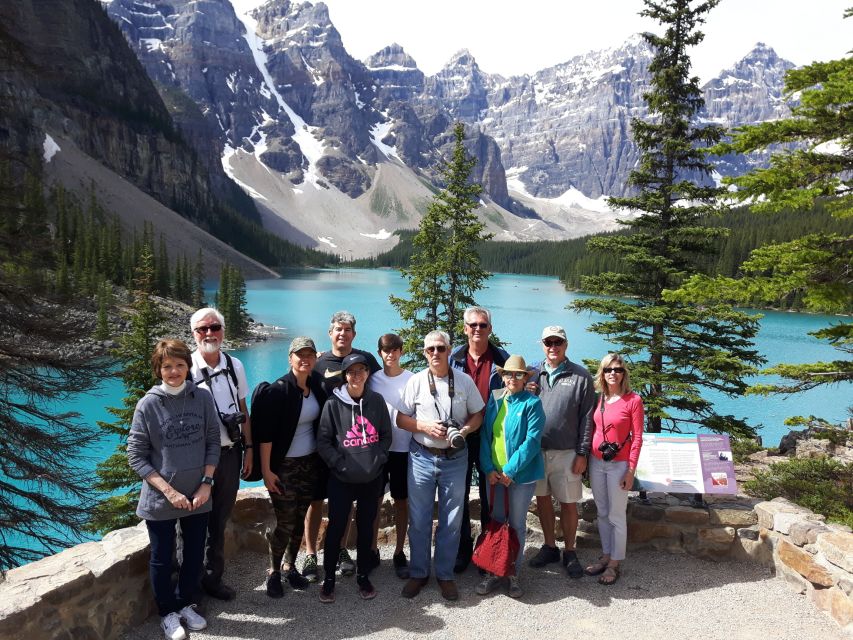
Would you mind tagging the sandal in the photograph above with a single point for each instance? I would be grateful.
(596, 569)
(609, 576)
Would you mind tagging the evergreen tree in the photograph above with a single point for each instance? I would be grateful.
(198, 282)
(162, 275)
(445, 271)
(133, 354)
(676, 349)
(45, 493)
(816, 166)
(102, 329)
(230, 299)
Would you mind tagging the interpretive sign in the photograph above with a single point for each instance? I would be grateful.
(686, 463)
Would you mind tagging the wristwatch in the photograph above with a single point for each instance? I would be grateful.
(207, 480)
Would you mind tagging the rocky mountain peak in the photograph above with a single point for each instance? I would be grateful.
(391, 57)
(462, 58)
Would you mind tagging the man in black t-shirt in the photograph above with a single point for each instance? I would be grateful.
(341, 333)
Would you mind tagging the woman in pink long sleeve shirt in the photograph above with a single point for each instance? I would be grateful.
(616, 444)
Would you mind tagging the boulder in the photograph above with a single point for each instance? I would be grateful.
(804, 563)
(837, 547)
(732, 515)
(686, 515)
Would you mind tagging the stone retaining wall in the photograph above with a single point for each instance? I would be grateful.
(98, 590)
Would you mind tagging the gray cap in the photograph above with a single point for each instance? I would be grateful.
(554, 331)
(301, 342)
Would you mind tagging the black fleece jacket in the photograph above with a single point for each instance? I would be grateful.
(275, 413)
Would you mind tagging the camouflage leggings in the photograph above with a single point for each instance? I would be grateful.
(298, 475)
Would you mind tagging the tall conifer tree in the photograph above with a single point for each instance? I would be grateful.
(676, 350)
(134, 356)
(814, 166)
(445, 272)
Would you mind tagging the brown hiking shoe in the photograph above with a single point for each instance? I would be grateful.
(448, 589)
(413, 587)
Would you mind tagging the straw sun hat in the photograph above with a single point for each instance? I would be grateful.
(515, 364)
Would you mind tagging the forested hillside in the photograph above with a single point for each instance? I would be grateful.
(570, 261)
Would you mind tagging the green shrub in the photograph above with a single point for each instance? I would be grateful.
(823, 485)
(742, 448)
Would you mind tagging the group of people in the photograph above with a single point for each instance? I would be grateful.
(340, 426)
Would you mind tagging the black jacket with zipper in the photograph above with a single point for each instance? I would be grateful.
(275, 413)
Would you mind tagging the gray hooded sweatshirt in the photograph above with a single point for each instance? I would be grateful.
(176, 436)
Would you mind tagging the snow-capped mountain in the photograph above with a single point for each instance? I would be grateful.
(338, 152)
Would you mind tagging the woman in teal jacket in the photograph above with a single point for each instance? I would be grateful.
(511, 457)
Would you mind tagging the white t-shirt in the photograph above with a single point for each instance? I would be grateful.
(418, 402)
(304, 441)
(226, 396)
(392, 390)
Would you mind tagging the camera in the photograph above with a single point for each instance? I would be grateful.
(232, 422)
(454, 434)
(609, 450)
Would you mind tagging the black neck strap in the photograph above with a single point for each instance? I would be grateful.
(434, 392)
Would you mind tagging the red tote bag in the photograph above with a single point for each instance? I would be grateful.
(497, 546)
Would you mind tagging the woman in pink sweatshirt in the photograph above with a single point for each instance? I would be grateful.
(616, 444)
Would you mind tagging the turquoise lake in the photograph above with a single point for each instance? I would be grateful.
(302, 302)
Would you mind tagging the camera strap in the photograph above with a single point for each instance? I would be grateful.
(208, 379)
(604, 427)
(434, 393)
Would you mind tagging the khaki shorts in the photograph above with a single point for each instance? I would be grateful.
(559, 481)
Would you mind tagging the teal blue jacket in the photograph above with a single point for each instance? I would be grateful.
(523, 426)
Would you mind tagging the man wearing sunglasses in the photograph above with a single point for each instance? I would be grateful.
(225, 378)
(440, 407)
(568, 398)
(479, 358)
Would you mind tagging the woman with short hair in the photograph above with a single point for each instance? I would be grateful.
(174, 446)
(616, 443)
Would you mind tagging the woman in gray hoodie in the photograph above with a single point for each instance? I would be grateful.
(353, 440)
(174, 447)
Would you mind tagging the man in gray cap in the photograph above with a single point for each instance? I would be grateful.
(568, 397)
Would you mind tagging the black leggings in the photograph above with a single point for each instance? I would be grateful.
(341, 496)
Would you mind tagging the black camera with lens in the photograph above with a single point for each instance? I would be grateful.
(232, 422)
(454, 433)
(609, 450)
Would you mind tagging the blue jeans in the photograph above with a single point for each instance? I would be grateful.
(428, 472)
(162, 535)
(520, 496)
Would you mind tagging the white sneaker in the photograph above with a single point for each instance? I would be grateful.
(171, 625)
(194, 621)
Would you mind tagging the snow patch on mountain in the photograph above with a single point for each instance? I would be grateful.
(382, 234)
(50, 148)
(377, 133)
(312, 148)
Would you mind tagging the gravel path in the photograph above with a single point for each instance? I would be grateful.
(659, 597)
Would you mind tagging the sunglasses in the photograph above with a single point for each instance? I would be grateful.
(614, 369)
(478, 325)
(211, 327)
(517, 375)
(439, 348)
(356, 371)
(553, 343)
